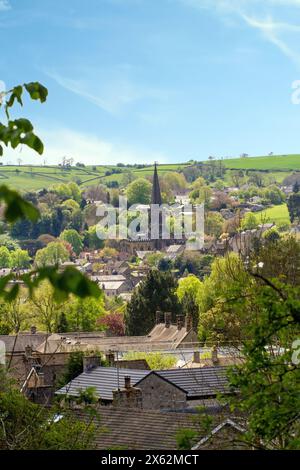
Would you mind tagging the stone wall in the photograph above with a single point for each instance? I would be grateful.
(159, 394)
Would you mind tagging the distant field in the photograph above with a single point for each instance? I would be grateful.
(39, 177)
(29, 178)
(276, 214)
(275, 162)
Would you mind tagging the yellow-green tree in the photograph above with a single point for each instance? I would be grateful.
(228, 279)
(155, 360)
(189, 292)
(46, 310)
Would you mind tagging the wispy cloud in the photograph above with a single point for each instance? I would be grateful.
(111, 93)
(251, 11)
(79, 87)
(4, 5)
(83, 147)
(270, 30)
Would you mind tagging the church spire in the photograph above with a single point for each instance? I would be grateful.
(156, 194)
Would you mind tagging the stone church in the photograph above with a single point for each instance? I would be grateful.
(145, 242)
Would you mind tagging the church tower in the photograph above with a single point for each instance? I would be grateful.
(156, 194)
(156, 199)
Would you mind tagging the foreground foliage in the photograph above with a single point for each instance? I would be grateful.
(254, 308)
(21, 132)
(26, 426)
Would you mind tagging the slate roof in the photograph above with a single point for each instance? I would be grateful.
(111, 277)
(197, 383)
(201, 382)
(111, 285)
(139, 429)
(23, 339)
(174, 248)
(207, 362)
(104, 379)
(159, 338)
(227, 423)
(160, 333)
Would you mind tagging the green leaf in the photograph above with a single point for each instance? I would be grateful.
(70, 281)
(16, 207)
(16, 94)
(23, 124)
(34, 142)
(17, 91)
(4, 134)
(18, 132)
(12, 294)
(1, 150)
(4, 282)
(37, 91)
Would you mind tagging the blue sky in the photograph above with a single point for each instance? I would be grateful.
(144, 80)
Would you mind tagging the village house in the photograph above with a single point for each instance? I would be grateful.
(227, 435)
(163, 336)
(17, 348)
(244, 242)
(47, 369)
(116, 284)
(216, 359)
(116, 427)
(173, 251)
(139, 429)
(174, 389)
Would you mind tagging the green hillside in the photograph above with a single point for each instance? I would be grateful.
(277, 214)
(274, 162)
(38, 177)
(30, 177)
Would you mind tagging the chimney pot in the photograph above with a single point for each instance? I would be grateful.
(188, 322)
(196, 358)
(167, 319)
(214, 356)
(179, 320)
(33, 330)
(110, 357)
(90, 362)
(28, 351)
(127, 380)
(158, 317)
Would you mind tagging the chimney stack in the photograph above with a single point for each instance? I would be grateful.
(33, 330)
(214, 356)
(167, 319)
(127, 380)
(179, 320)
(196, 357)
(188, 322)
(110, 357)
(128, 397)
(28, 351)
(90, 362)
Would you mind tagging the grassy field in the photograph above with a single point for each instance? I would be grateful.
(28, 177)
(274, 162)
(38, 177)
(276, 214)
